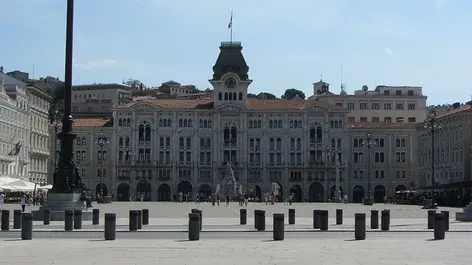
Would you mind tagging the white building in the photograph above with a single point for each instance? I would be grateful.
(23, 130)
(158, 147)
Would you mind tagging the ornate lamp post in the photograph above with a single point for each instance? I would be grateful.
(330, 154)
(369, 142)
(431, 123)
(102, 141)
(56, 120)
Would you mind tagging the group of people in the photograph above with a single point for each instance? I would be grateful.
(24, 200)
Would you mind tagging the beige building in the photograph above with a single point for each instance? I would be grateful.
(452, 151)
(98, 99)
(390, 104)
(24, 132)
(158, 147)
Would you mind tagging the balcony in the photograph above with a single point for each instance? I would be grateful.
(7, 158)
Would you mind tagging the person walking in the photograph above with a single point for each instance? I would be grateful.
(23, 203)
(2, 197)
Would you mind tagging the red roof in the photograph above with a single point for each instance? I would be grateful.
(93, 122)
(462, 108)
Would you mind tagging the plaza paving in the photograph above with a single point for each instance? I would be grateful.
(393, 250)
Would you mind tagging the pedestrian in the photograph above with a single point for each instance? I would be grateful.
(23, 202)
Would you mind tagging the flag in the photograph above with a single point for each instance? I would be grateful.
(16, 150)
(230, 24)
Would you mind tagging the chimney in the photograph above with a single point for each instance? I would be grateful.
(1, 69)
(456, 105)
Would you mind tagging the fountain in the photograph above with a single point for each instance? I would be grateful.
(229, 185)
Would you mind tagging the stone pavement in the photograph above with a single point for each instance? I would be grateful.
(404, 251)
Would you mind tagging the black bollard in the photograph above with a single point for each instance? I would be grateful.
(68, 220)
(17, 219)
(242, 216)
(374, 219)
(323, 220)
(359, 226)
(439, 226)
(201, 219)
(385, 225)
(316, 219)
(110, 226)
(46, 217)
(133, 220)
(5, 220)
(291, 216)
(27, 226)
(193, 226)
(145, 216)
(140, 219)
(339, 216)
(431, 219)
(95, 217)
(446, 220)
(77, 219)
(261, 225)
(278, 232)
(256, 215)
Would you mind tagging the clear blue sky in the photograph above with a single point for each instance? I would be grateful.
(286, 43)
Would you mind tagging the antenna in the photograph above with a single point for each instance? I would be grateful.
(33, 71)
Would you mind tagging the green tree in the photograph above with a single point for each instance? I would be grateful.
(56, 109)
(292, 92)
(266, 95)
(251, 95)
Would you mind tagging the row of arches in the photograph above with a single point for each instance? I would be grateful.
(316, 191)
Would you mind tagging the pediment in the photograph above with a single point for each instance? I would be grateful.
(229, 108)
(144, 107)
(316, 108)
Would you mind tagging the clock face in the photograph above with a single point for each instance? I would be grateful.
(230, 82)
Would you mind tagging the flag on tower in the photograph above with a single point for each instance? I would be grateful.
(230, 24)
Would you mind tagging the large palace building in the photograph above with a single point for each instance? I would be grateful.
(156, 148)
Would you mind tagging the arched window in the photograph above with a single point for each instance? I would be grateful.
(381, 142)
(226, 135)
(104, 172)
(189, 122)
(128, 122)
(220, 96)
(339, 142)
(226, 95)
(189, 142)
(120, 122)
(169, 122)
(202, 143)
(230, 96)
(251, 144)
(240, 95)
(292, 144)
(148, 133)
(319, 134)
(181, 123)
(280, 124)
(120, 141)
(333, 143)
(403, 142)
(234, 96)
(99, 172)
(397, 142)
(270, 124)
(141, 133)
(126, 141)
(181, 142)
(299, 144)
(271, 143)
(312, 135)
(208, 143)
(185, 123)
(84, 141)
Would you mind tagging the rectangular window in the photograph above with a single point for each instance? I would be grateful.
(411, 106)
(350, 105)
(399, 106)
(387, 106)
(375, 106)
(363, 106)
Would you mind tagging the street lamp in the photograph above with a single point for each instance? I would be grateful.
(330, 154)
(101, 142)
(431, 123)
(368, 141)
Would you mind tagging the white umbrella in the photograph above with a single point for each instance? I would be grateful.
(23, 185)
(46, 187)
(4, 187)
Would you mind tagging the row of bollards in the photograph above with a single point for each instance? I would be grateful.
(138, 218)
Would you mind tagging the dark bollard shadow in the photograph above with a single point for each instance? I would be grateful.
(270, 240)
(183, 240)
(98, 240)
(352, 240)
(432, 239)
(13, 239)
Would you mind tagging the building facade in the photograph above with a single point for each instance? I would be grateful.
(158, 147)
(98, 98)
(24, 132)
(452, 151)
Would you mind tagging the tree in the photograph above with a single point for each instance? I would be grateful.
(292, 92)
(266, 95)
(56, 109)
(251, 95)
(135, 84)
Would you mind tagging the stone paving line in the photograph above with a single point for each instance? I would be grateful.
(232, 224)
(392, 251)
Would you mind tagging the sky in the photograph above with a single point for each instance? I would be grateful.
(287, 44)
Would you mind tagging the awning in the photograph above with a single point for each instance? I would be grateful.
(22, 185)
(6, 188)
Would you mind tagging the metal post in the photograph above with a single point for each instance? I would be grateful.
(359, 226)
(433, 168)
(110, 226)
(27, 228)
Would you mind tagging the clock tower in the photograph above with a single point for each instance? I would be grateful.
(230, 76)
